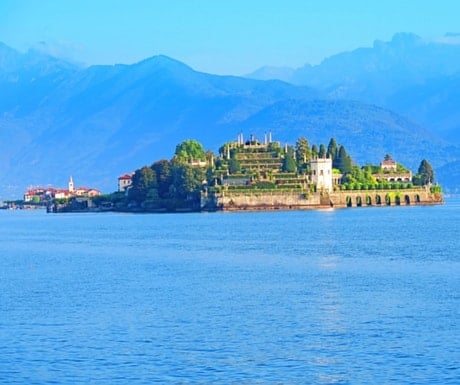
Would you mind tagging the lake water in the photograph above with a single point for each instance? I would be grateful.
(350, 296)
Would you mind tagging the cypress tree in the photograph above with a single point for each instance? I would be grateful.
(322, 151)
(314, 151)
(343, 161)
(332, 149)
(425, 172)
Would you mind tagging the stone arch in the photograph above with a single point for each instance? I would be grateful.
(349, 201)
(359, 201)
(368, 200)
(397, 200)
(388, 200)
(378, 200)
(407, 199)
(417, 198)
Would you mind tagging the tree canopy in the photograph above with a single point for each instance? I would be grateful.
(425, 174)
(343, 161)
(302, 151)
(332, 149)
(289, 164)
(190, 150)
(322, 151)
(144, 179)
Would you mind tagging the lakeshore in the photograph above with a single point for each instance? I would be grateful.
(269, 201)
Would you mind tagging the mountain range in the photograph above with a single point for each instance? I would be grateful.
(58, 119)
(416, 78)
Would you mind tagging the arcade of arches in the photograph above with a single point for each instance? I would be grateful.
(379, 198)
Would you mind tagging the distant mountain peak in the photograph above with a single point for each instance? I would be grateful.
(45, 62)
(162, 61)
(400, 41)
(451, 38)
(271, 73)
(406, 38)
(6, 48)
(9, 57)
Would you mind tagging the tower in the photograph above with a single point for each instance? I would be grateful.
(71, 186)
(321, 173)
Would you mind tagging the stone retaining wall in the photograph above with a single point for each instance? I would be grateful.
(384, 197)
(267, 201)
(295, 201)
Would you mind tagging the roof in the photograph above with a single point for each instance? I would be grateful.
(389, 162)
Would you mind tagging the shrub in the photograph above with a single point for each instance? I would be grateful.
(436, 189)
(265, 185)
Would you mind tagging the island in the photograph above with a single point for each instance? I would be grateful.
(262, 174)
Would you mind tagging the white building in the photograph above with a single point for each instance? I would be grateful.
(321, 173)
(389, 165)
(125, 181)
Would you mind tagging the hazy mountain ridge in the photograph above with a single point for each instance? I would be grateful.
(98, 122)
(408, 75)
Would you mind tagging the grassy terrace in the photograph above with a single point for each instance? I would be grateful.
(258, 166)
(256, 192)
(267, 186)
(257, 155)
(260, 162)
(256, 162)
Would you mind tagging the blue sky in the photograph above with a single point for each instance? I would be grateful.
(217, 36)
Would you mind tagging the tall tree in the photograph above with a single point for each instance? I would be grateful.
(314, 151)
(322, 151)
(187, 181)
(425, 172)
(144, 180)
(343, 162)
(332, 149)
(302, 151)
(163, 172)
(289, 164)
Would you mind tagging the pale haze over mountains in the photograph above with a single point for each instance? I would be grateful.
(58, 119)
(416, 78)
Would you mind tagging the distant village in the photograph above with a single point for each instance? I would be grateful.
(43, 195)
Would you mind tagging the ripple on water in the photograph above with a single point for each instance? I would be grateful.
(336, 297)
